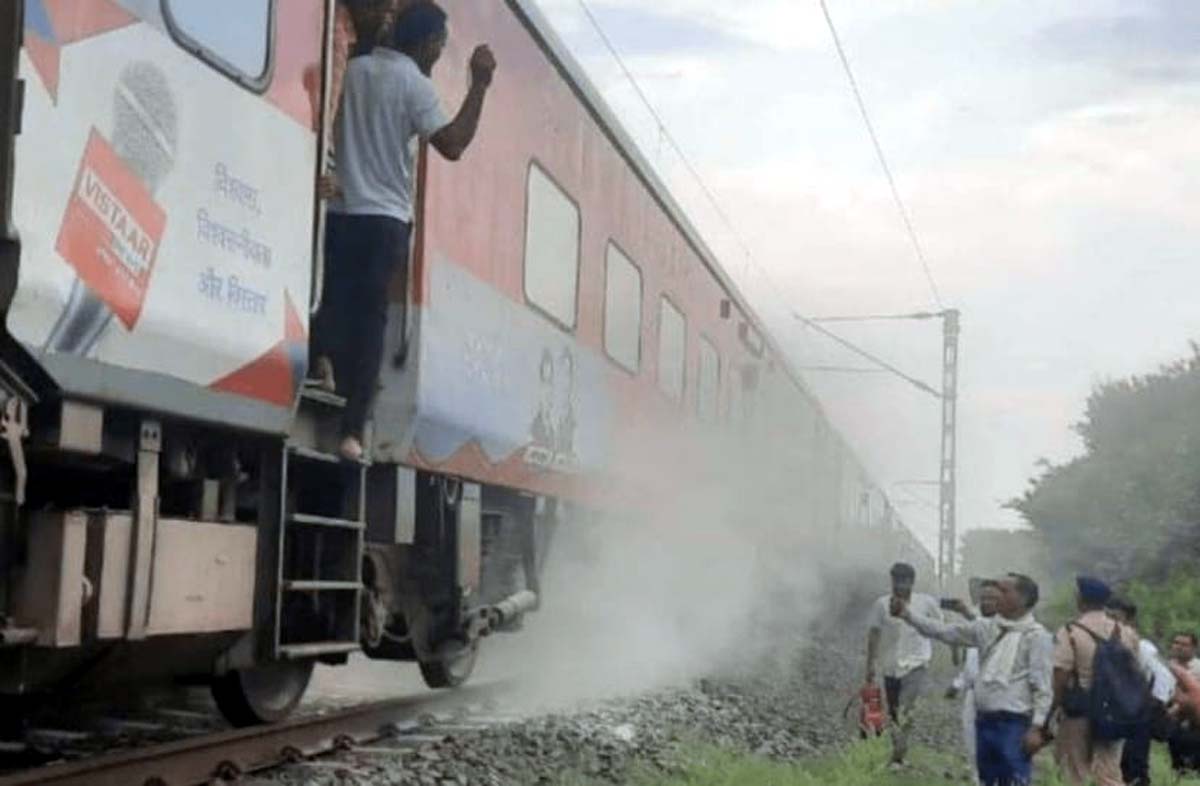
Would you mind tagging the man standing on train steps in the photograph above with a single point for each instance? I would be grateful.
(389, 103)
(904, 654)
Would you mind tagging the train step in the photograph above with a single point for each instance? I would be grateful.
(314, 454)
(310, 585)
(322, 397)
(317, 649)
(309, 520)
(319, 583)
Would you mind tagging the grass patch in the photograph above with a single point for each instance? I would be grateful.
(863, 764)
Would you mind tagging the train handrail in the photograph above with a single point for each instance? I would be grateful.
(323, 149)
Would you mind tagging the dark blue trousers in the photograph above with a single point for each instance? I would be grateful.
(998, 753)
(363, 255)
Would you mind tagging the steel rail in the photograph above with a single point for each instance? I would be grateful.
(226, 755)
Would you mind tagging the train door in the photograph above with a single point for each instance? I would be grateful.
(164, 194)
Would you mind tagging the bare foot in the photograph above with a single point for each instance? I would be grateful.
(322, 375)
(351, 449)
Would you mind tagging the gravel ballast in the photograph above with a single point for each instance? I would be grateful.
(785, 707)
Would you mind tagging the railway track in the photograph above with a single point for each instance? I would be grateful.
(230, 755)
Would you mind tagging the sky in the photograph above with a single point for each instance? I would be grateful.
(1047, 152)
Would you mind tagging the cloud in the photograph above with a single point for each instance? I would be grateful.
(777, 24)
(643, 30)
(1152, 40)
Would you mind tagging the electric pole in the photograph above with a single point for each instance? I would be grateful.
(948, 477)
(948, 480)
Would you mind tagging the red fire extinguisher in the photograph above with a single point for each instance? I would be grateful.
(872, 717)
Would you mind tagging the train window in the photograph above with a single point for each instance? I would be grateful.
(708, 385)
(551, 248)
(733, 407)
(233, 36)
(622, 310)
(672, 349)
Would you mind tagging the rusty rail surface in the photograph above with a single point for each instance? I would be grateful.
(226, 755)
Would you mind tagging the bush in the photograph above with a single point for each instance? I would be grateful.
(1168, 607)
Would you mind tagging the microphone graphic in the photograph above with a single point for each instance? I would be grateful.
(145, 135)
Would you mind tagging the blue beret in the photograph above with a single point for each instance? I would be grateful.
(1093, 590)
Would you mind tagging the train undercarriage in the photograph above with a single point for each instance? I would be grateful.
(136, 549)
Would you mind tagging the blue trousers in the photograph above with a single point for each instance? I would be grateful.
(998, 753)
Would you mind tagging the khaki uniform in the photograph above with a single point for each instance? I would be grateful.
(1080, 760)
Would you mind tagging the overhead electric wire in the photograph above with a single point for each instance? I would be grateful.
(868, 356)
(905, 215)
(665, 133)
(711, 196)
(879, 317)
(844, 369)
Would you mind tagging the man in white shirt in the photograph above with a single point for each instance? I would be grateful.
(389, 103)
(903, 654)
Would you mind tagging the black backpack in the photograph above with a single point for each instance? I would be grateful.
(1118, 704)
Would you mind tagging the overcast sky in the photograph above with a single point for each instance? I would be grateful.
(1050, 155)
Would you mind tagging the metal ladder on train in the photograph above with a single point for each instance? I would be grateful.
(321, 538)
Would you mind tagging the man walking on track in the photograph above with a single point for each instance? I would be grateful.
(1013, 695)
(903, 653)
(1084, 756)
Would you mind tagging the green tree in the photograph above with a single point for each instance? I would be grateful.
(1129, 507)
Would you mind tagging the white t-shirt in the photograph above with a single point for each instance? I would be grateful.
(1162, 681)
(901, 648)
(388, 105)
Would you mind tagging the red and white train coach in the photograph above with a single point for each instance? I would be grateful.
(171, 506)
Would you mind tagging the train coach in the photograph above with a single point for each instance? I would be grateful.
(172, 506)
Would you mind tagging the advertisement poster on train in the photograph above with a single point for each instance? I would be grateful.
(112, 230)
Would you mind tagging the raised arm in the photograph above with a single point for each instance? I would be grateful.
(453, 140)
(962, 634)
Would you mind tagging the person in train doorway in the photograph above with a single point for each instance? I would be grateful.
(1135, 759)
(903, 653)
(1014, 692)
(985, 595)
(389, 104)
(373, 20)
(1083, 756)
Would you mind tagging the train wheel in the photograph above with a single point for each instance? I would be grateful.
(264, 694)
(452, 666)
